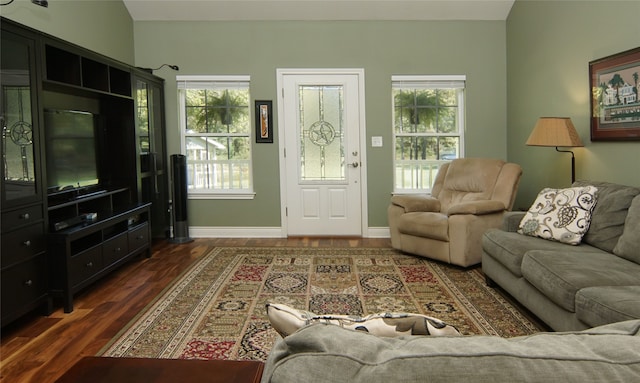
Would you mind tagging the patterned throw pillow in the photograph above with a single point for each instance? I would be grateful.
(562, 215)
(287, 320)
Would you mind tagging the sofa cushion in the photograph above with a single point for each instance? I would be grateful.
(508, 248)
(423, 224)
(560, 214)
(476, 207)
(596, 306)
(607, 220)
(629, 243)
(326, 353)
(559, 275)
(287, 320)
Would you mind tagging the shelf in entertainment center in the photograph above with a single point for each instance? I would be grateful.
(87, 227)
(86, 71)
(63, 87)
(66, 209)
(65, 201)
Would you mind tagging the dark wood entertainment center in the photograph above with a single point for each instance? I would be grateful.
(58, 242)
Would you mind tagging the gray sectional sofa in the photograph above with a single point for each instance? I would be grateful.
(573, 287)
(325, 353)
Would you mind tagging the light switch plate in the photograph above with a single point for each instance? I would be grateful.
(376, 141)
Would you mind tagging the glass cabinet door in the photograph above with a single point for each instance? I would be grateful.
(142, 128)
(157, 127)
(19, 128)
(150, 126)
(151, 148)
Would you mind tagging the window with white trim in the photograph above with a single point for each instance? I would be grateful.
(428, 128)
(215, 129)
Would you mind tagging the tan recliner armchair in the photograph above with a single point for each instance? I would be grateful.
(469, 196)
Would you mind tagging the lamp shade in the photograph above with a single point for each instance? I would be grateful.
(554, 131)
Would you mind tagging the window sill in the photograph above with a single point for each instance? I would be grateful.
(411, 192)
(244, 195)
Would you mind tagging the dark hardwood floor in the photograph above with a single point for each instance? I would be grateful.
(40, 349)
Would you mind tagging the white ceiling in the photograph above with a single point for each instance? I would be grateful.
(220, 10)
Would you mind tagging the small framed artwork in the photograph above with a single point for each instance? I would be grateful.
(264, 122)
(615, 97)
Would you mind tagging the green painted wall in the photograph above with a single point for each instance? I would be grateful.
(534, 64)
(476, 49)
(549, 46)
(103, 26)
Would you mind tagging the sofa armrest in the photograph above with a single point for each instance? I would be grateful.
(511, 220)
(412, 203)
(476, 207)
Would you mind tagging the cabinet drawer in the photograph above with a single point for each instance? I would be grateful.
(19, 217)
(20, 245)
(139, 237)
(24, 284)
(85, 265)
(115, 249)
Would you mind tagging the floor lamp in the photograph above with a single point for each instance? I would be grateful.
(556, 131)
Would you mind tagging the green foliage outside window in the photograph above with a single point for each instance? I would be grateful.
(427, 126)
(221, 112)
(217, 130)
(420, 115)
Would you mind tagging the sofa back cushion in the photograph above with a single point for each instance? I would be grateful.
(628, 246)
(609, 214)
(328, 353)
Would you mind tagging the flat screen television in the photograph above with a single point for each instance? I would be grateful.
(71, 148)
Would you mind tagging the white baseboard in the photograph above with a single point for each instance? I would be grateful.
(378, 232)
(236, 232)
(262, 232)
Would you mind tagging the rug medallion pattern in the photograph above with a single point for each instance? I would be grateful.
(216, 310)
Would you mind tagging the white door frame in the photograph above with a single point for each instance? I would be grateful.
(280, 73)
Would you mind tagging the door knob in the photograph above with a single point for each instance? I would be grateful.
(354, 164)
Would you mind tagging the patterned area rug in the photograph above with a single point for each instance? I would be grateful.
(216, 310)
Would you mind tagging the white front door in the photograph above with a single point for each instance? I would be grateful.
(321, 126)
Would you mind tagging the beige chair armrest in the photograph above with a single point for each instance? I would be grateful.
(412, 203)
(476, 207)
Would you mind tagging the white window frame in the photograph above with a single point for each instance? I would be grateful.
(213, 82)
(429, 82)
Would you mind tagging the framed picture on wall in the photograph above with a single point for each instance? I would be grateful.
(264, 122)
(615, 97)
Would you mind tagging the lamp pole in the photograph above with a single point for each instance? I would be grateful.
(573, 163)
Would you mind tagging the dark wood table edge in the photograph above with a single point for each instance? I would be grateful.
(96, 369)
